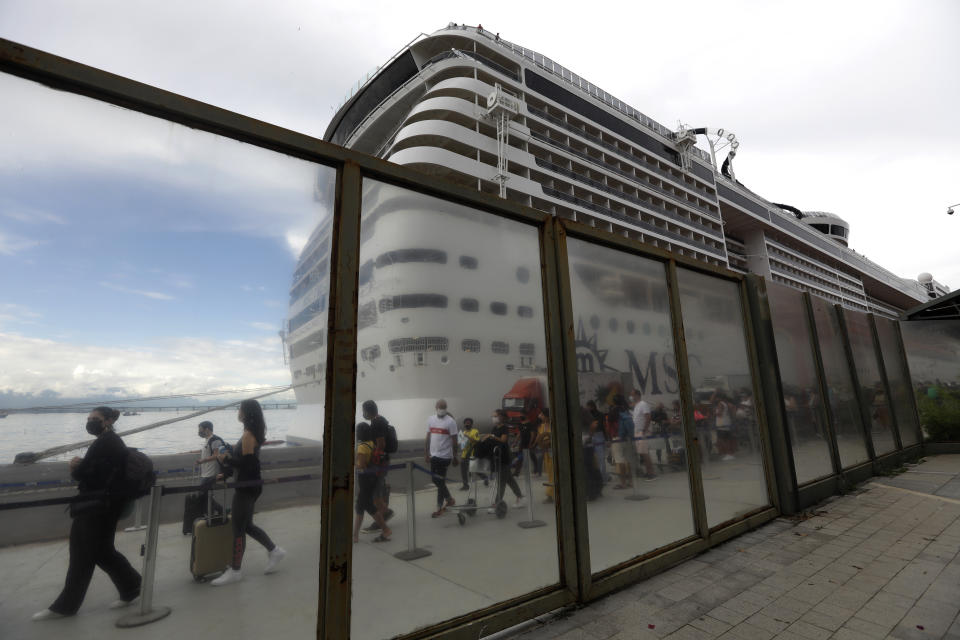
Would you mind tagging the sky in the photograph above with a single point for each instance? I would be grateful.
(138, 257)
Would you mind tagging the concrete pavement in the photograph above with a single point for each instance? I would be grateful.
(878, 563)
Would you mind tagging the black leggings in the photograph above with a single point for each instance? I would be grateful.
(91, 545)
(242, 516)
(438, 466)
(507, 479)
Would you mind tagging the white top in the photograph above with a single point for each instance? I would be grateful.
(208, 469)
(641, 414)
(440, 430)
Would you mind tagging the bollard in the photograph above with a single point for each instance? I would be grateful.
(147, 613)
(529, 523)
(412, 552)
(634, 496)
(138, 524)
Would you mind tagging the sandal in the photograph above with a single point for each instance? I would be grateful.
(381, 538)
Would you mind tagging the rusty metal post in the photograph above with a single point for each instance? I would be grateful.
(336, 539)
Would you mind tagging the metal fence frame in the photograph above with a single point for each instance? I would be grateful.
(577, 582)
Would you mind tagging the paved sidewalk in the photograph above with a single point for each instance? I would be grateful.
(880, 562)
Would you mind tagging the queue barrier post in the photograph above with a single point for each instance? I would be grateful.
(634, 478)
(147, 612)
(412, 552)
(530, 522)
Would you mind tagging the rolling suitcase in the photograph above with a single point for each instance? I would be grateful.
(212, 547)
(192, 510)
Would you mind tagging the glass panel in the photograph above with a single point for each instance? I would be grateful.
(872, 393)
(933, 351)
(806, 420)
(841, 397)
(625, 351)
(726, 419)
(899, 383)
(150, 266)
(478, 361)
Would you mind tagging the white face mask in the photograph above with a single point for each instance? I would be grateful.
(496, 419)
(441, 412)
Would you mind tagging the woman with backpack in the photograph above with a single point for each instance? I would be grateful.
(95, 520)
(245, 460)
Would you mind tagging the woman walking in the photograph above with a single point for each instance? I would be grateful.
(95, 520)
(246, 461)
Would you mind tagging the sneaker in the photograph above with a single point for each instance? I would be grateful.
(229, 576)
(449, 503)
(121, 603)
(373, 528)
(465, 487)
(439, 512)
(650, 477)
(273, 559)
(46, 614)
(728, 457)
(491, 511)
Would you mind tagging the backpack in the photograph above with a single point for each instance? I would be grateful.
(391, 445)
(139, 475)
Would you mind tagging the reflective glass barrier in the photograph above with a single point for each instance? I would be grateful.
(872, 393)
(168, 273)
(806, 420)
(726, 419)
(933, 351)
(450, 309)
(840, 394)
(635, 461)
(899, 381)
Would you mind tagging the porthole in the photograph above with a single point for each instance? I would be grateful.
(523, 275)
(613, 324)
(631, 327)
(594, 322)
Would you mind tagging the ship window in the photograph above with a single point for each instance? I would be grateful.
(370, 354)
(646, 328)
(367, 315)
(594, 322)
(366, 272)
(311, 371)
(523, 275)
(413, 301)
(500, 347)
(498, 308)
(527, 348)
(307, 314)
(631, 327)
(419, 359)
(470, 346)
(405, 345)
(311, 343)
(822, 228)
(297, 374)
(468, 262)
(525, 312)
(613, 324)
(411, 255)
(837, 230)
(469, 304)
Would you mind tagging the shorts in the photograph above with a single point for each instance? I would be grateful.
(643, 446)
(621, 452)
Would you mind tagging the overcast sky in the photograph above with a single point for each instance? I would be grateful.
(847, 107)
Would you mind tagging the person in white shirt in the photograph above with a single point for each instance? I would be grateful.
(641, 432)
(209, 467)
(440, 449)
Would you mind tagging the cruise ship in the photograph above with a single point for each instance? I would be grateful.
(465, 105)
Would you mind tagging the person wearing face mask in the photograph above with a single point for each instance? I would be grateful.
(95, 521)
(440, 449)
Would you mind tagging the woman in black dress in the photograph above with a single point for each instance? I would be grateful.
(245, 460)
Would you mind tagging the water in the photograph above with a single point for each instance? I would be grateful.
(36, 432)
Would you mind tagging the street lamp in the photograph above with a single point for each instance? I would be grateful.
(950, 208)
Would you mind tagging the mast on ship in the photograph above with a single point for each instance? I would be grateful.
(502, 107)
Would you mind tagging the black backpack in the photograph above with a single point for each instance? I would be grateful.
(139, 475)
(391, 444)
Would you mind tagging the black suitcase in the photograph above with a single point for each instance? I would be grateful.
(193, 508)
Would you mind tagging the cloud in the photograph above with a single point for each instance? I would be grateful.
(34, 216)
(12, 244)
(265, 326)
(11, 313)
(170, 366)
(147, 294)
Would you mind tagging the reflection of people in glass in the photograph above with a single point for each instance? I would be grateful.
(441, 450)
(369, 471)
(245, 460)
(469, 436)
(598, 438)
(542, 443)
(642, 419)
(621, 447)
(501, 432)
(723, 421)
(95, 521)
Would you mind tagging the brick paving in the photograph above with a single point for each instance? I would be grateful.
(880, 562)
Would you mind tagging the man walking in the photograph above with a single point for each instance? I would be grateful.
(642, 415)
(209, 467)
(440, 449)
(378, 434)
